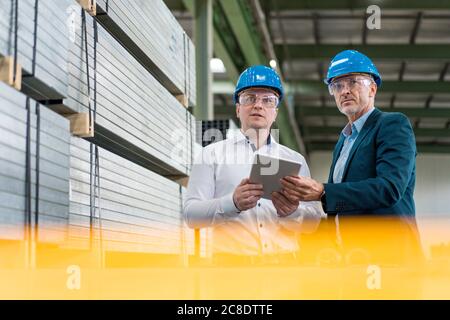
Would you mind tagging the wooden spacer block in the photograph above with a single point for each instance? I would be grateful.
(89, 5)
(183, 100)
(7, 72)
(80, 126)
(181, 180)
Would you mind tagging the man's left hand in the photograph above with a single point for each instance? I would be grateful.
(284, 206)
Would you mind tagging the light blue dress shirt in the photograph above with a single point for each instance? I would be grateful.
(350, 133)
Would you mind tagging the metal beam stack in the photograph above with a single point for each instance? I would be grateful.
(139, 210)
(28, 129)
(151, 33)
(136, 116)
(133, 73)
(41, 46)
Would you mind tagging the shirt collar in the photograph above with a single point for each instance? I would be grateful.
(357, 125)
(238, 136)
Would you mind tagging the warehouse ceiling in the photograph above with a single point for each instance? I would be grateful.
(411, 51)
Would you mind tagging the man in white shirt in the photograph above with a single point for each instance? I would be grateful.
(220, 194)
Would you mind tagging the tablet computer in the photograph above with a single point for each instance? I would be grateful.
(269, 171)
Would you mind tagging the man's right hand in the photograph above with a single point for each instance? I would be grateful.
(247, 194)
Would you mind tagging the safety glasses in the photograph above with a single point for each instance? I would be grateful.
(348, 82)
(268, 101)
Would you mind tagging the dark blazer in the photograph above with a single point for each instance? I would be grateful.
(380, 172)
(374, 201)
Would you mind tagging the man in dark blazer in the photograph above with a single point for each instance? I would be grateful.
(373, 169)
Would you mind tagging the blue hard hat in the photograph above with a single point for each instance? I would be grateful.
(261, 77)
(352, 61)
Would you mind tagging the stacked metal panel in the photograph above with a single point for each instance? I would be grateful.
(151, 33)
(140, 210)
(42, 44)
(139, 125)
(53, 168)
(135, 114)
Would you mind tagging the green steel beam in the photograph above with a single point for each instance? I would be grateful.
(177, 5)
(430, 148)
(306, 111)
(238, 15)
(223, 87)
(225, 109)
(419, 132)
(308, 87)
(419, 112)
(220, 47)
(203, 14)
(287, 135)
(358, 4)
(240, 21)
(385, 51)
(222, 53)
(225, 46)
(415, 86)
(318, 87)
(421, 147)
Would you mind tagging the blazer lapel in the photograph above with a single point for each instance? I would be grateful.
(364, 131)
(336, 152)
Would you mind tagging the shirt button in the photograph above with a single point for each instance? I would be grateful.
(265, 245)
(259, 204)
(260, 225)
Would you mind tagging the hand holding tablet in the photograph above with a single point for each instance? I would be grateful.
(268, 171)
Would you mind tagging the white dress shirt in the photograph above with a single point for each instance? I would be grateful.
(216, 173)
